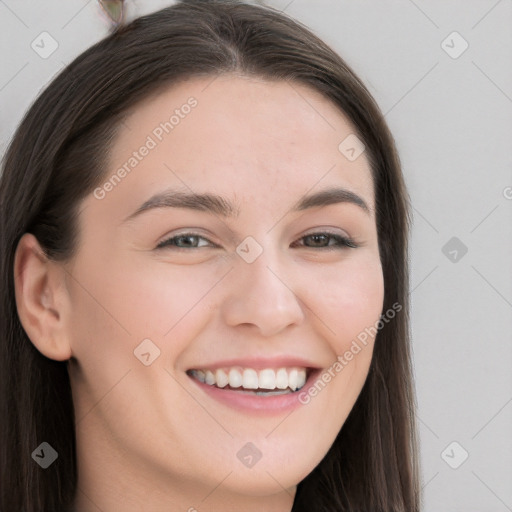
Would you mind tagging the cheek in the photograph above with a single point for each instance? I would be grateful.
(146, 298)
(350, 299)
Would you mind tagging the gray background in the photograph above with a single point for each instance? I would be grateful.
(451, 117)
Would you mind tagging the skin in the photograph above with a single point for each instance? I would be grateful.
(147, 437)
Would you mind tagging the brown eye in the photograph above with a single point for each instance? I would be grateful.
(322, 240)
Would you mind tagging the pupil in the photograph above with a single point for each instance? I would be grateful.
(189, 240)
(318, 239)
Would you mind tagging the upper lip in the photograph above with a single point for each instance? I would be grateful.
(260, 363)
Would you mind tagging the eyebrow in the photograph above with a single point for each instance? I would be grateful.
(221, 206)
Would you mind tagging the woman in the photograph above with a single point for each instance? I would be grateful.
(204, 263)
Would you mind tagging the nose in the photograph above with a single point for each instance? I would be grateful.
(262, 296)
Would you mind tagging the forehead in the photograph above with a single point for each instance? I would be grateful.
(242, 137)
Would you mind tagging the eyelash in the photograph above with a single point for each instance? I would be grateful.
(342, 241)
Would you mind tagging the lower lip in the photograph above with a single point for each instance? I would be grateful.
(258, 403)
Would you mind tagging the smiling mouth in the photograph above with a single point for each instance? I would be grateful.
(266, 382)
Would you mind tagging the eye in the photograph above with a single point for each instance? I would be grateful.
(185, 241)
(322, 240)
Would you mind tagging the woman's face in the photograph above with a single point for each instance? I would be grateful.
(243, 281)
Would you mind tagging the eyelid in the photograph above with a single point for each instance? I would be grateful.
(327, 231)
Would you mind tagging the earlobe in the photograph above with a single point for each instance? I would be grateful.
(41, 299)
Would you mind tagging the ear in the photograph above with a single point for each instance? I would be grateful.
(42, 299)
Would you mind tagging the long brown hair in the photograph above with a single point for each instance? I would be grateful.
(57, 157)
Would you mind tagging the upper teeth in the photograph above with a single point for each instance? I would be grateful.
(248, 378)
